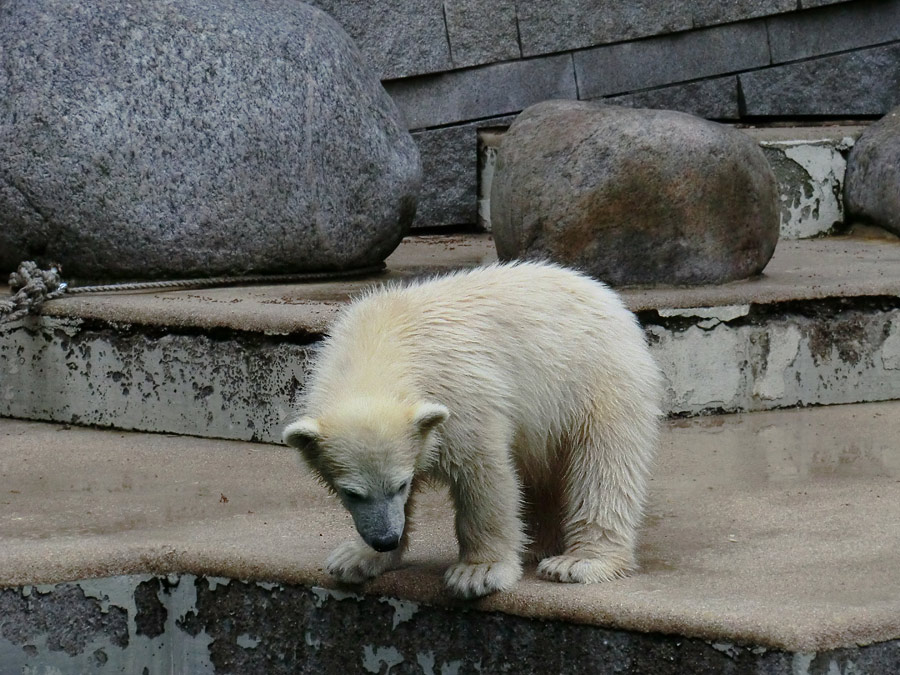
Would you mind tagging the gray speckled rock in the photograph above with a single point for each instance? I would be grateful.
(872, 183)
(633, 196)
(195, 137)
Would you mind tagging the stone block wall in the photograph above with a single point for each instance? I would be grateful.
(456, 66)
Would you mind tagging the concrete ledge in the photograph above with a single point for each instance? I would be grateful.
(835, 267)
(822, 327)
(773, 530)
(158, 625)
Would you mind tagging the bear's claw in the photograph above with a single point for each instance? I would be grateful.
(353, 562)
(467, 580)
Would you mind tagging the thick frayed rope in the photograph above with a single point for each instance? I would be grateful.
(32, 286)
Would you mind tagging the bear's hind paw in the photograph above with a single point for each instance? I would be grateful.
(353, 562)
(574, 569)
(466, 580)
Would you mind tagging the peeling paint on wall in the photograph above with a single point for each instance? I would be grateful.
(844, 356)
(810, 178)
(227, 626)
(64, 370)
(715, 358)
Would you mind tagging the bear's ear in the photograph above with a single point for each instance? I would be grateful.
(304, 434)
(426, 416)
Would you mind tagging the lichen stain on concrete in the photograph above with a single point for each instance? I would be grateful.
(151, 614)
(890, 348)
(844, 335)
(246, 641)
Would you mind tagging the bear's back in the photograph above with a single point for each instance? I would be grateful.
(532, 341)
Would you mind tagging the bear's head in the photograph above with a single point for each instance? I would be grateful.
(369, 452)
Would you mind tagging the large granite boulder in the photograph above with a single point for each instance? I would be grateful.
(195, 137)
(872, 183)
(633, 196)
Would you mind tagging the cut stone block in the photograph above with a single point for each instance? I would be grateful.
(481, 32)
(399, 38)
(498, 89)
(708, 13)
(195, 138)
(850, 25)
(713, 99)
(572, 24)
(627, 67)
(633, 196)
(450, 173)
(872, 188)
(863, 82)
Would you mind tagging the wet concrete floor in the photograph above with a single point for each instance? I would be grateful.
(777, 528)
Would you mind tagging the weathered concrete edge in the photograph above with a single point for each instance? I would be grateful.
(206, 624)
(245, 386)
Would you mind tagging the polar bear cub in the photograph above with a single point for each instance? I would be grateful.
(527, 388)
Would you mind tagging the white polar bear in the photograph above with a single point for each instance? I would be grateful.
(527, 388)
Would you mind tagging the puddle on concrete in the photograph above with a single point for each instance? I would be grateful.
(829, 443)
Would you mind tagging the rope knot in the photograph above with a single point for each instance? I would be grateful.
(31, 287)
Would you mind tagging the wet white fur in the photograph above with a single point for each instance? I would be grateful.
(553, 414)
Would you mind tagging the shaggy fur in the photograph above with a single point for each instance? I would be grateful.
(527, 388)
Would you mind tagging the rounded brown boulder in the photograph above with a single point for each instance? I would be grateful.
(633, 196)
(872, 185)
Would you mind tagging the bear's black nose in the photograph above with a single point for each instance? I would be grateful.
(384, 544)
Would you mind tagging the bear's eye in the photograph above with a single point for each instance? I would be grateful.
(354, 496)
(403, 488)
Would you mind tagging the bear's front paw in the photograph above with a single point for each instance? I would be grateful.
(575, 569)
(466, 580)
(353, 562)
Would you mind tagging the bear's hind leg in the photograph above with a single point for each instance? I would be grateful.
(608, 462)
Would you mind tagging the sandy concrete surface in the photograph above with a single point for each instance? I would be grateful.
(779, 529)
(858, 266)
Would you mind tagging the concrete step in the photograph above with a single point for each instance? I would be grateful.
(822, 326)
(809, 163)
(770, 546)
